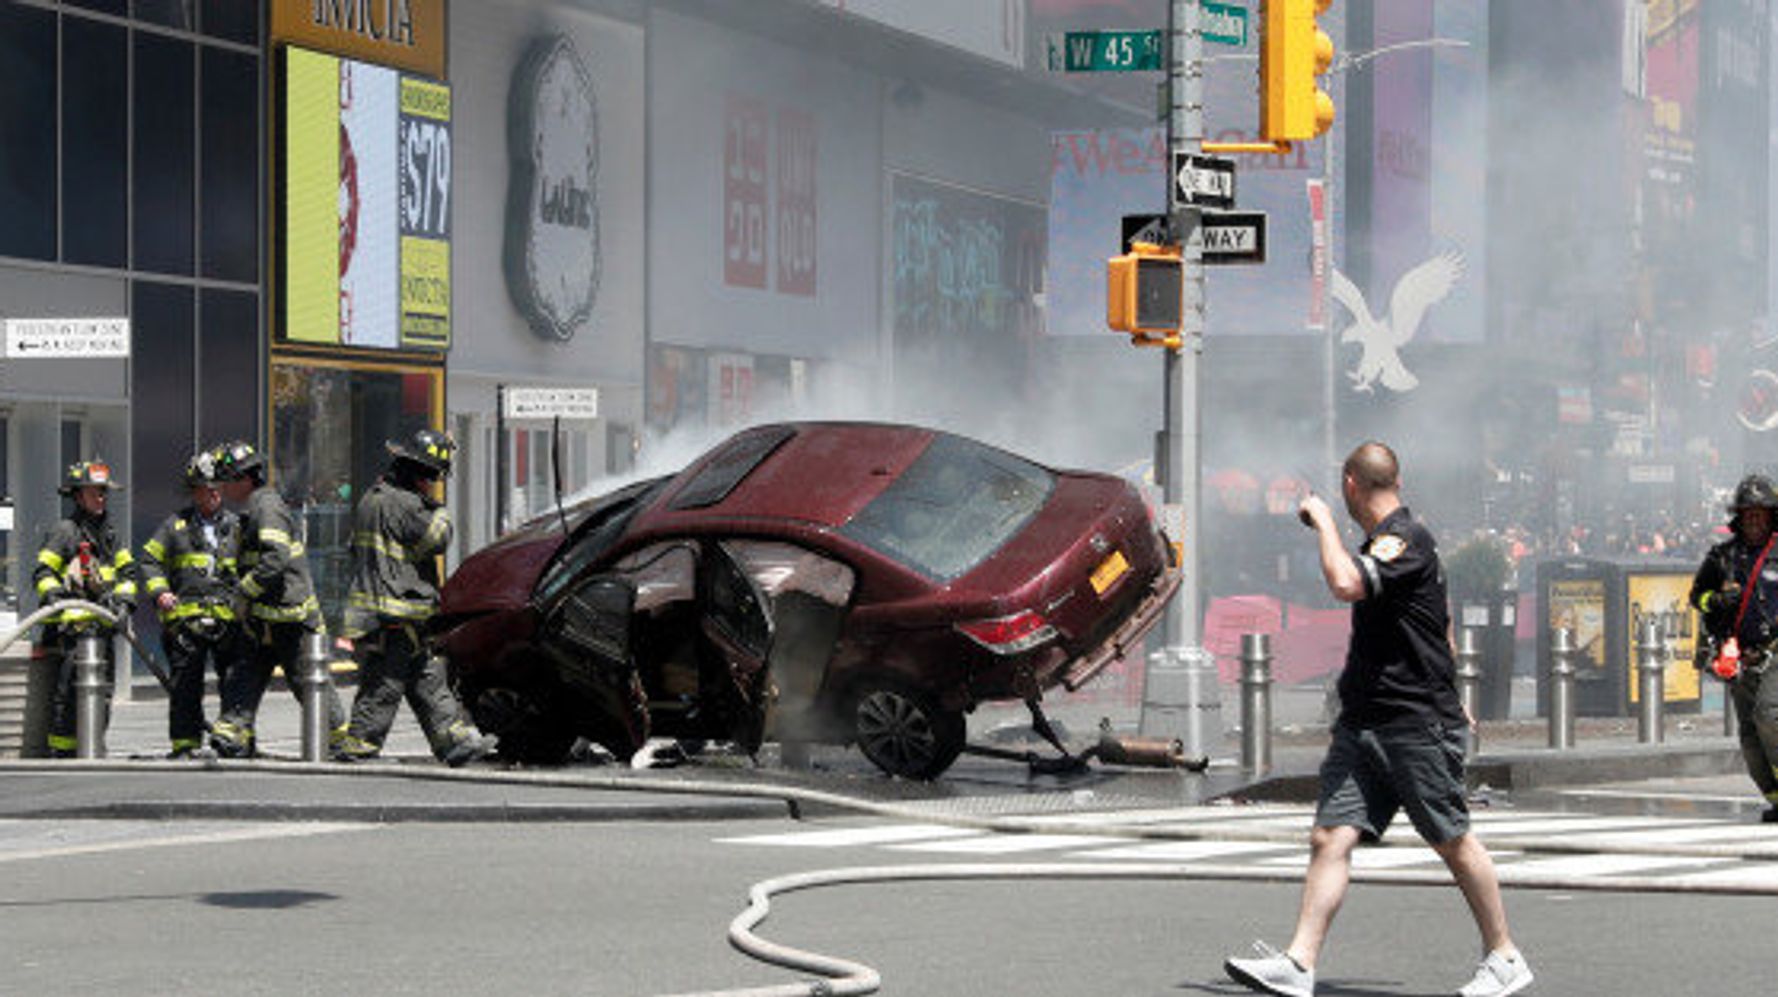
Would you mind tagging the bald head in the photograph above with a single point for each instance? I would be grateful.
(1373, 468)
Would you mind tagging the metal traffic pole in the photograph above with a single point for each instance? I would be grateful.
(1651, 653)
(1562, 688)
(1256, 702)
(1177, 452)
(1469, 681)
(314, 683)
(89, 696)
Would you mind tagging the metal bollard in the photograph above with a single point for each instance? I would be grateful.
(89, 696)
(1469, 681)
(314, 683)
(1562, 688)
(1731, 721)
(1256, 702)
(1651, 662)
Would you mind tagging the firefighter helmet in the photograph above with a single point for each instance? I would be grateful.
(1754, 492)
(88, 474)
(428, 448)
(238, 460)
(201, 469)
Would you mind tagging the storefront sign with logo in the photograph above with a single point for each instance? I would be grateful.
(408, 34)
(552, 205)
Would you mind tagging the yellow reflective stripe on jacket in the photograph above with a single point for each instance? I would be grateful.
(155, 549)
(124, 558)
(187, 610)
(156, 585)
(198, 560)
(388, 605)
(381, 544)
(282, 539)
(436, 530)
(286, 614)
(251, 588)
(52, 560)
(46, 583)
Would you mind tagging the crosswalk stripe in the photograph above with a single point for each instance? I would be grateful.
(1683, 835)
(1182, 851)
(849, 836)
(1600, 865)
(1375, 858)
(1764, 875)
(1003, 844)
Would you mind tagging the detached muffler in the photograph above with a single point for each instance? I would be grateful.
(1131, 750)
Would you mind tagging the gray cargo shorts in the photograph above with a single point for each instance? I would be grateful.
(1370, 774)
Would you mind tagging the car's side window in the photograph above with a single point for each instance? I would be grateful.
(734, 604)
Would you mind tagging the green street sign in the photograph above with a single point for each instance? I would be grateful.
(1106, 51)
(1223, 23)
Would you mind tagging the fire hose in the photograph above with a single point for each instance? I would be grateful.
(112, 618)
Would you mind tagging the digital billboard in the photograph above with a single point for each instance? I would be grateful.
(365, 214)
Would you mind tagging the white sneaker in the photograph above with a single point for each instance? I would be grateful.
(1272, 972)
(1498, 975)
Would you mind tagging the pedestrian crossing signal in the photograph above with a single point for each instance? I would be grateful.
(1144, 290)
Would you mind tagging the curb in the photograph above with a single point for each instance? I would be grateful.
(376, 813)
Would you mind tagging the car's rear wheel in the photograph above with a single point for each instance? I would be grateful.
(905, 732)
(524, 730)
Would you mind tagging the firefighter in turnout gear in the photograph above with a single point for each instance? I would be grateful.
(81, 559)
(188, 569)
(277, 605)
(1736, 591)
(398, 532)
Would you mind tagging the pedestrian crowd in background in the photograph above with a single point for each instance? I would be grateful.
(229, 578)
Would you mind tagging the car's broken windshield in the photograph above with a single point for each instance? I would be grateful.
(953, 507)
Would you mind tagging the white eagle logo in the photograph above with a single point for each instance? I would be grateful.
(1417, 290)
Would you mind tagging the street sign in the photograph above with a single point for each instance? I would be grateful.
(1203, 181)
(1152, 229)
(1234, 236)
(550, 403)
(1105, 51)
(38, 338)
(1223, 23)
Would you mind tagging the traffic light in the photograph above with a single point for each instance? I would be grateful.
(1144, 290)
(1293, 51)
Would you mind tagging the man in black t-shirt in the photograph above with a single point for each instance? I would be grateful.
(1398, 742)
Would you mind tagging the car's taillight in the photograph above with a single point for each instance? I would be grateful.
(1009, 634)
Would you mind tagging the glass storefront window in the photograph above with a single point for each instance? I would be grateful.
(164, 159)
(234, 20)
(230, 165)
(27, 133)
(329, 424)
(95, 130)
(161, 388)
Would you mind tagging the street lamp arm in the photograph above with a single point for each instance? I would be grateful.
(1358, 59)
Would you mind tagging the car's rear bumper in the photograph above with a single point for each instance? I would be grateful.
(1127, 637)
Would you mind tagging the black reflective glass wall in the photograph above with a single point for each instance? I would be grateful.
(228, 362)
(232, 20)
(230, 165)
(27, 131)
(162, 386)
(165, 168)
(95, 160)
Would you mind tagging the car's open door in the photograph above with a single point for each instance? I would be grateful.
(586, 634)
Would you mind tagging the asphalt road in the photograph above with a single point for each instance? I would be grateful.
(642, 908)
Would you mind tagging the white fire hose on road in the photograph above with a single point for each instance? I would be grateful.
(841, 976)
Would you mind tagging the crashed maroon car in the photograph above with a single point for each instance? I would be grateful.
(814, 582)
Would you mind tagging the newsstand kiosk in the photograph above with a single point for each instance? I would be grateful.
(1603, 602)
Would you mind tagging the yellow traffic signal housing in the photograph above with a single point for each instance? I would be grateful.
(1293, 51)
(1144, 290)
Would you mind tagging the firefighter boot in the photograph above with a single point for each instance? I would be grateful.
(465, 745)
(232, 740)
(344, 746)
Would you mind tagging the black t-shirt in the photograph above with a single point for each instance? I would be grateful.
(1399, 665)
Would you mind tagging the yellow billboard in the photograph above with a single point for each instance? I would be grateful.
(365, 219)
(1664, 596)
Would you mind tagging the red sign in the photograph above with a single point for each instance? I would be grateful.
(796, 202)
(744, 192)
(1317, 256)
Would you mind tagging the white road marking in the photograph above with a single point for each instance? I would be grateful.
(854, 836)
(1005, 844)
(1761, 875)
(1602, 865)
(93, 837)
(1182, 851)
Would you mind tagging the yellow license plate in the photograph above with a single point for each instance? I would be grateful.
(1109, 571)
